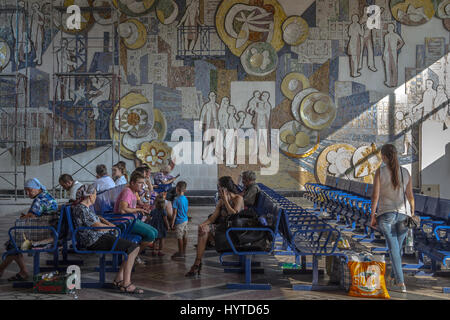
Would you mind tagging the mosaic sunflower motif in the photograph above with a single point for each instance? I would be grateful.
(154, 153)
(340, 161)
(133, 119)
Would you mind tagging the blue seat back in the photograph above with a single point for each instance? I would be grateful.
(330, 181)
(431, 206)
(357, 188)
(419, 200)
(260, 198)
(443, 209)
(103, 203)
(284, 227)
(343, 184)
(369, 190)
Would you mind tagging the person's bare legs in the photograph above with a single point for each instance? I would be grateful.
(20, 262)
(145, 245)
(184, 244)
(180, 246)
(201, 246)
(5, 263)
(169, 210)
(126, 268)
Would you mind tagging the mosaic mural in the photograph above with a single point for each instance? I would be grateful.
(335, 88)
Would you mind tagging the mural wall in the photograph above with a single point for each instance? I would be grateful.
(334, 88)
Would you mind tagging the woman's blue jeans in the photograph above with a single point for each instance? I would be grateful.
(392, 225)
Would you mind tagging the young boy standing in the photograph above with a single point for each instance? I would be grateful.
(180, 219)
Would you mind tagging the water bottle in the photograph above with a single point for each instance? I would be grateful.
(409, 242)
(263, 221)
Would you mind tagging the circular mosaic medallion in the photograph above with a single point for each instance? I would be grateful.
(443, 9)
(293, 83)
(259, 59)
(298, 141)
(295, 30)
(5, 54)
(317, 111)
(295, 105)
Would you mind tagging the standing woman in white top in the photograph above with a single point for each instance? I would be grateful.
(390, 191)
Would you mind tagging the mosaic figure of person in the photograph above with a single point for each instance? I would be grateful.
(354, 50)
(392, 44)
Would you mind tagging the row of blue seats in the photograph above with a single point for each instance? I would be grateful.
(64, 234)
(64, 239)
(349, 202)
(304, 233)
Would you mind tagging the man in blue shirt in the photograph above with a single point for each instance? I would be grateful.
(180, 219)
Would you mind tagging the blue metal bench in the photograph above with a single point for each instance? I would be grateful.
(35, 252)
(102, 262)
(307, 235)
(432, 238)
(272, 214)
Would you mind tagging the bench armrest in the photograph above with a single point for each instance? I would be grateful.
(74, 241)
(55, 237)
(436, 234)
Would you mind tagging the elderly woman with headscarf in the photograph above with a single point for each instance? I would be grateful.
(43, 203)
(103, 239)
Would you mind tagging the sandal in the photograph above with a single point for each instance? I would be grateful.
(17, 277)
(135, 291)
(117, 284)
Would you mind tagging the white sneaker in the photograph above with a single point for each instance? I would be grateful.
(398, 288)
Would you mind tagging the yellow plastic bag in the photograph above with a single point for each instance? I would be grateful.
(368, 279)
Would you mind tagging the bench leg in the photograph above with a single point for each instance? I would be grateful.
(314, 286)
(248, 285)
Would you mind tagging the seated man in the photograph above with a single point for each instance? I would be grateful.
(251, 189)
(43, 203)
(66, 181)
(103, 182)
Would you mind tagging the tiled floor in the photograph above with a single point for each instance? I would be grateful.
(164, 279)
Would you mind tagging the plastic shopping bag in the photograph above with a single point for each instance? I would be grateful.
(367, 276)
